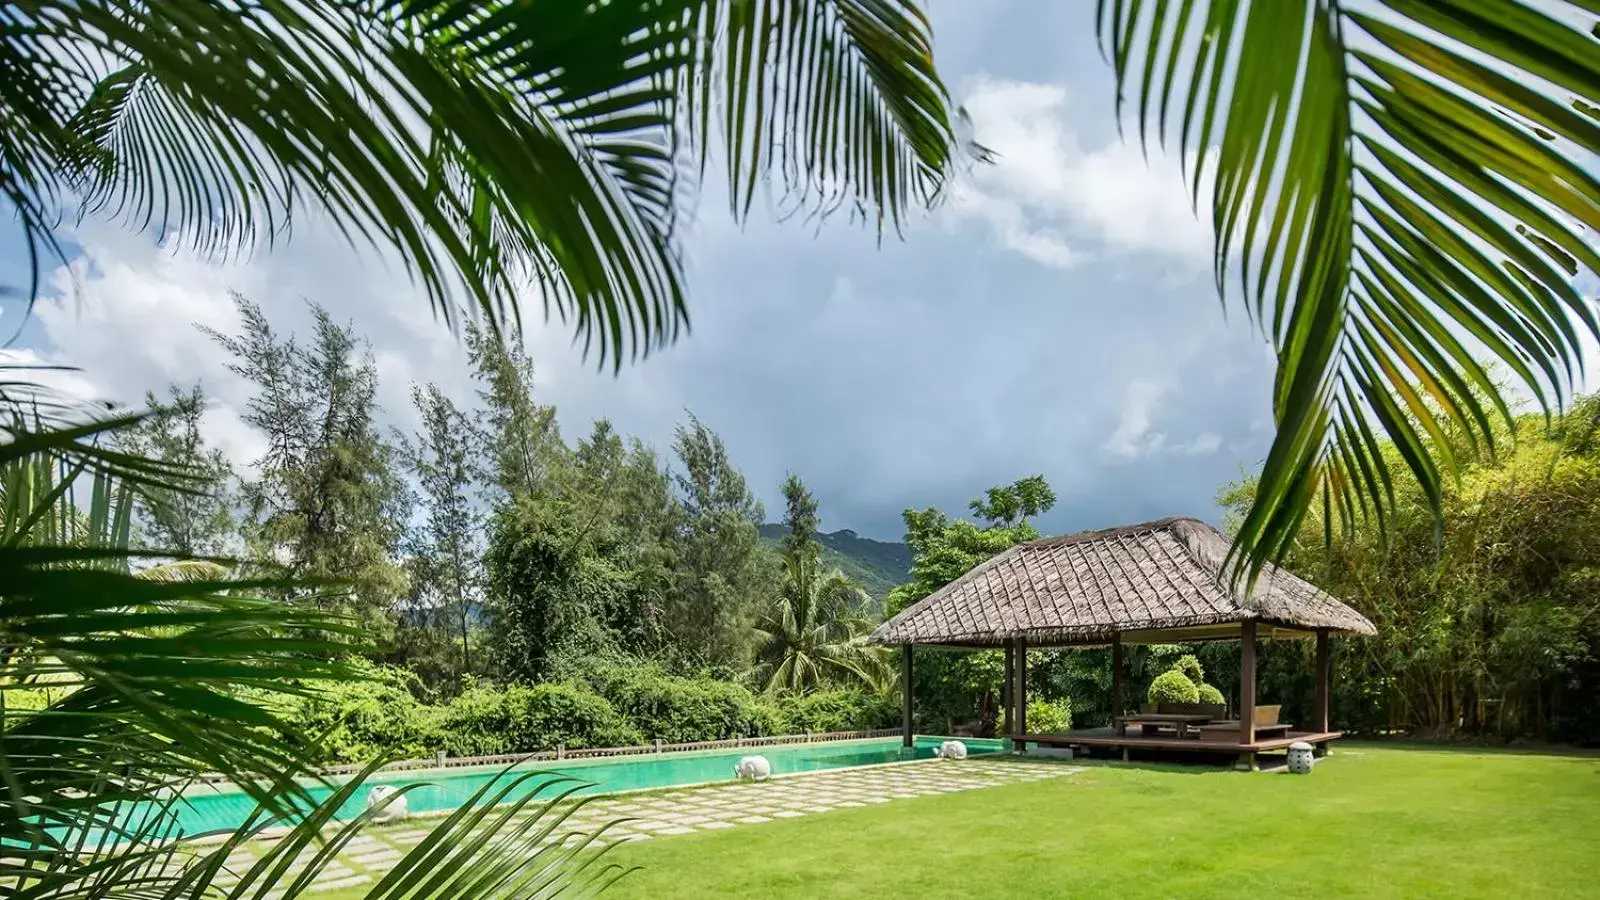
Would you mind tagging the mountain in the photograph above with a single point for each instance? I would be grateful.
(878, 565)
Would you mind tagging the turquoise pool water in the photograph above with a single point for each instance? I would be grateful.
(222, 808)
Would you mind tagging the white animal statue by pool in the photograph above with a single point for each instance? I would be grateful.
(753, 768)
(394, 811)
(951, 750)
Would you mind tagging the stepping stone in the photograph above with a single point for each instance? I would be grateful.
(383, 858)
(716, 824)
(787, 814)
(676, 829)
(754, 820)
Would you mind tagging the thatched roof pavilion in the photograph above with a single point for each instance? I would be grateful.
(1157, 582)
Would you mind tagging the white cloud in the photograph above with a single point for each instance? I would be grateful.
(1136, 435)
(1054, 200)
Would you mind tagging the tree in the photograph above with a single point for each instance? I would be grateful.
(327, 503)
(721, 577)
(955, 688)
(1401, 187)
(800, 520)
(521, 438)
(195, 518)
(443, 554)
(813, 633)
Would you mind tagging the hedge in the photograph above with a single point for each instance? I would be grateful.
(1173, 686)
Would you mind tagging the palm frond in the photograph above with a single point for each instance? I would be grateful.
(1401, 187)
(488, 145)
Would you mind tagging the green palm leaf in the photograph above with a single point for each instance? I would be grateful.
(490, 145)
(1402, 186)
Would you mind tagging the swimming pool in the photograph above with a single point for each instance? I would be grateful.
(210, 808)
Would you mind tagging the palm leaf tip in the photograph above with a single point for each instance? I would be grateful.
(1402, 189)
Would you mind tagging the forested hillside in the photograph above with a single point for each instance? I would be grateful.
(877, 565)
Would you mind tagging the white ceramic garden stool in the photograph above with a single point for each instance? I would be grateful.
(1300, 754)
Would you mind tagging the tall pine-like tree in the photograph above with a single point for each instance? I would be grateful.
(443, 549)
(327, 503)
(196, 520)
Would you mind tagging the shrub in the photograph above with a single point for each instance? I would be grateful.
(840, 709)
(1045, 717)
(675, 709)
(1191, 668)
(1172, 686)
(1209, 694)
(520, 719)
(360, 721)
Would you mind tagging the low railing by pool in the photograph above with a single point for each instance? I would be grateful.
(441, 761)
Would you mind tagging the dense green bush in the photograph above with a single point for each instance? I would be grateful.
(675, 709)
(520, 719)
(1172, 686)
(1046, 717)
(841, 709)
(1209, 694)
(360, 721)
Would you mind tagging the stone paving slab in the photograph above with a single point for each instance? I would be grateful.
(706, 808)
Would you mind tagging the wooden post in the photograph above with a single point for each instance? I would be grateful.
(1118, 705)
(1247, 682)
(906, 737)
(1324, 681)
(1005, 693)
(1019, 691)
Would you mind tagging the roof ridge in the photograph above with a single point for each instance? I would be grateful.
(1161, 524)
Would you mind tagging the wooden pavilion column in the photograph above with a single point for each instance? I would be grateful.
(906, 737)
(1247, 689)
(1005, 693)
(1324, 721)
(1019, 690)
(1118, 705)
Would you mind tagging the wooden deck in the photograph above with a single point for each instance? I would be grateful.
(1108, 739)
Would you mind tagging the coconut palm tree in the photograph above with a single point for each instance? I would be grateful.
(1402, 188)
(814, 631)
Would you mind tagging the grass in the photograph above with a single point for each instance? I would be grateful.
(1371, 821)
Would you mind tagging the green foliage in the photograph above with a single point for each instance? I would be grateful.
(1490, 626)
(1049, 717)
(1209, 694)
(486, 721)
(878, 566)
(374, 718)
(1190, 666)
(722, 581)
(674, 709)
(959, 688)
(328, 503)
(195, 518)
(1172, 686)
(813, 634)
(838, 709)
(1393, 229)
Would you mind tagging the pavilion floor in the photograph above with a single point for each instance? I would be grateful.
(1108, 739)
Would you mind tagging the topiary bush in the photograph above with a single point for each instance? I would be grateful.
(1045, 717)
(523, 719)
(1172, 686)
(1209, 694)
(1190, 666)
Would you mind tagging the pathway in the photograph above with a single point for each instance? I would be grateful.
(705, 808)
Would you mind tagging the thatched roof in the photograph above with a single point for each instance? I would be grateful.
(1160, 582)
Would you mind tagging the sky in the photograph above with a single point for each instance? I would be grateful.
(1056, 316)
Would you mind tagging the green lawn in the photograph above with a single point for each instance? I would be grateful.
(1371, 821)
